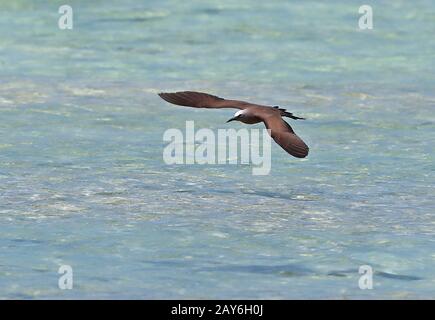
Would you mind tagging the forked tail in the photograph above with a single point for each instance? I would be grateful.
(285, 113)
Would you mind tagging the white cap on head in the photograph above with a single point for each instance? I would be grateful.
(239, 113)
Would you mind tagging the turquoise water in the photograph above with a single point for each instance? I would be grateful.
(83, 182)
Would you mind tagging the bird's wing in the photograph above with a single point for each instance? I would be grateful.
(201, 100)
(284, 135)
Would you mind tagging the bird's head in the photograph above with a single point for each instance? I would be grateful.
(237, 116)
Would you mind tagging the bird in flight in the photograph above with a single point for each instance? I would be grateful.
(249, 113)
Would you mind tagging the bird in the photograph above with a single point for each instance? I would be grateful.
(249, 113)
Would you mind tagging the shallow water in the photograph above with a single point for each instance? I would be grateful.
(83, 183)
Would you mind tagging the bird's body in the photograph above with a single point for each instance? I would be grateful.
(249, 113)
(247, 116)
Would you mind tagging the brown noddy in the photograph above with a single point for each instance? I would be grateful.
(249, 113)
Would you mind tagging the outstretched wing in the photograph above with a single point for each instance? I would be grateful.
(201, 100)
(284, 135)
(281, 131)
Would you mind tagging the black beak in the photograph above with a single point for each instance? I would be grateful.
(232, 119)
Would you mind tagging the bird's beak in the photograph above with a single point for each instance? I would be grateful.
(232, 119)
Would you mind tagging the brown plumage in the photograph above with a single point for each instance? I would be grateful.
(250, 113)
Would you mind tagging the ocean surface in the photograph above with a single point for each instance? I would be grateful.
(83, 182)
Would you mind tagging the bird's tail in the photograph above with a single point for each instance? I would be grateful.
(290, 115)
(285, 113)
